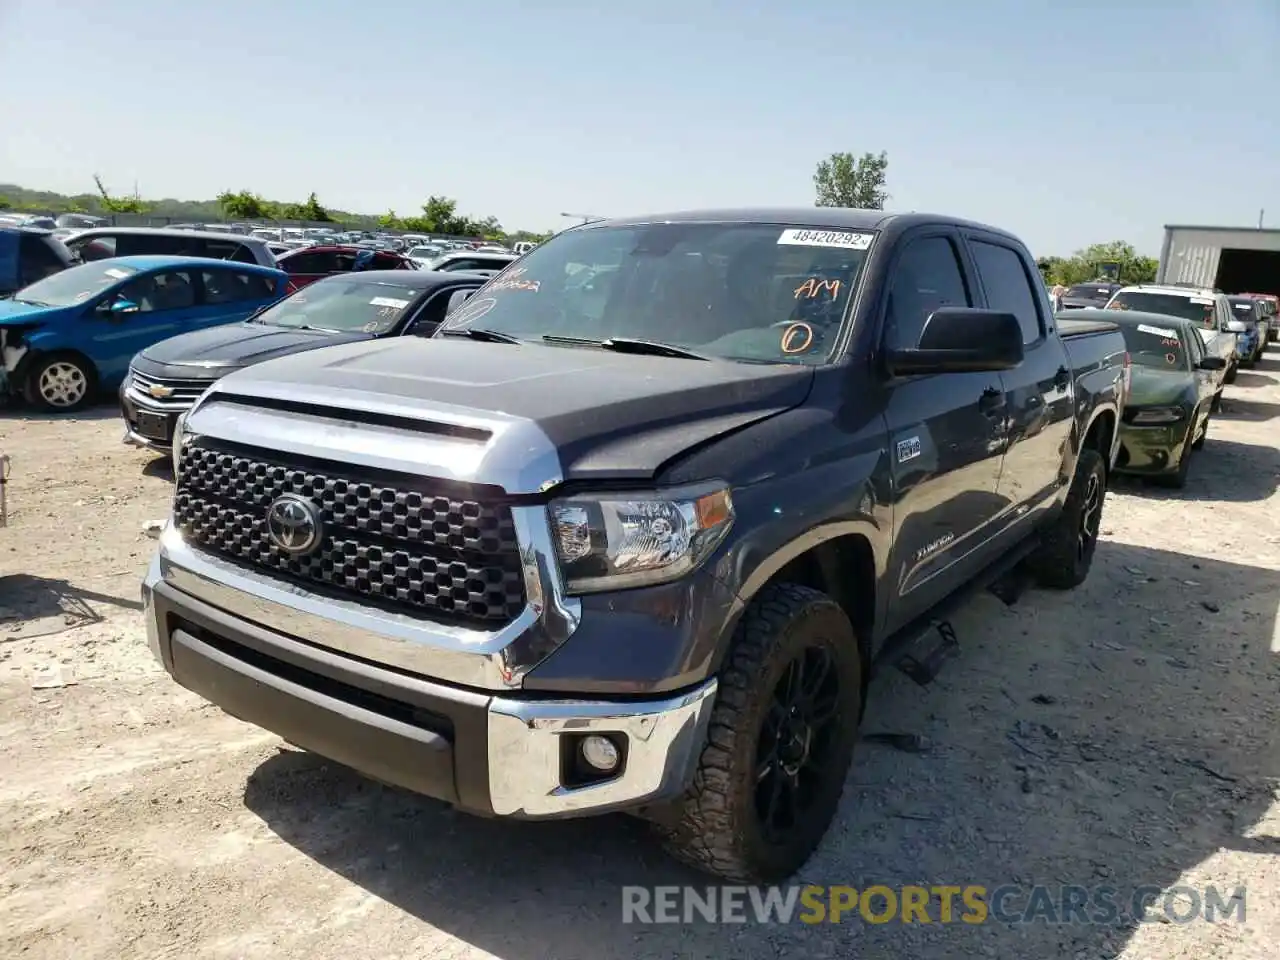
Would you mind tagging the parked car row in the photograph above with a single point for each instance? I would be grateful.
(1185, 344)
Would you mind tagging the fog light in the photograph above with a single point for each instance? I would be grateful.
(600, 753)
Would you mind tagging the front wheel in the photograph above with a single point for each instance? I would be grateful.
(59, 383)
(1062, 560)
(779, 744)
(1231, 373)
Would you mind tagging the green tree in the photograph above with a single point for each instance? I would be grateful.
(110, 204)
(389, 221)
(5, 203)
(1088, 264)
(244, 205)
(845, 181)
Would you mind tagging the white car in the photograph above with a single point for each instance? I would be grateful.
(1209, 310)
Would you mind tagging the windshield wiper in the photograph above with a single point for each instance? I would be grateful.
(479, 333)
(651, 348)
(31, 303)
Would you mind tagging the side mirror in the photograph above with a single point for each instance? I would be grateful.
(120, 307)
(457, 299)
(961, 340)
(1213, 363)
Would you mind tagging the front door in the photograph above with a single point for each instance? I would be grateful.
(946, 439)
(162, 301)
(1039, 392)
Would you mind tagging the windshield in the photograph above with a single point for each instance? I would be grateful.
(1243, 309)
(738, 291)
(74, 285)
(344, 305)
(1153, 345)
(1199, 310)
(1090, 291)
(423, 253)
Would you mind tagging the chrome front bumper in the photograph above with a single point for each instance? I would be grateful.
(510, 750)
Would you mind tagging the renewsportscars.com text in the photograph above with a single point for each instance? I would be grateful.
(942, 903)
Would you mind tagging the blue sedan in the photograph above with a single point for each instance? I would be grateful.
(72, 334)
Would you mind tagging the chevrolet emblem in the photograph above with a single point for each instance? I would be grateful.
(160, 392)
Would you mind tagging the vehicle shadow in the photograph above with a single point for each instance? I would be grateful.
(1236, 407)
(1252, 380)
(161, 468)
(1225, 471)
(1104, 737)
(28, 598)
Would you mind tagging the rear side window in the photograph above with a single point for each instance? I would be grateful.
(233, 286)
(308, 263)
(1008, 286)
(927, 277)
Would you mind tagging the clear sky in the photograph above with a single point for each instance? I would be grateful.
(1067, 123)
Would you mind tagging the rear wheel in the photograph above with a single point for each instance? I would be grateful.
(59, 383)
(1063, 559)
(1198, 443)
(779, 742)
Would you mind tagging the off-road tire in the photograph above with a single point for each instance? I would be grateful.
(1178, 479)
(1216, 404)
(1057, 562)
(31, 390)
(714, 826)
(1231, 374)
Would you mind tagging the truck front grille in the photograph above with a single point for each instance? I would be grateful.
(395, 543)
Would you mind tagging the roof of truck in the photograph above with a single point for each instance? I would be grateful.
(845, 218)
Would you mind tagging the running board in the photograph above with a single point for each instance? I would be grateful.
(923, 646)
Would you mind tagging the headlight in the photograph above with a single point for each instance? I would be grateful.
(616, 541)
(1159, 415)
(179, 428)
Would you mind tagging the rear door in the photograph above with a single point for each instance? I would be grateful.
(1039, 392)
(228, 295)
(946, 435)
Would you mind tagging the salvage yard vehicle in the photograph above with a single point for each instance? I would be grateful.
(73, 333)
(1209, 310)
(103, 243)
(1250, 328)
(640, 554)
(1084, 295)
(165, 379)
(1175, 387)
(471, 261)
(306, 265)
(1271, 310)
(28, 255)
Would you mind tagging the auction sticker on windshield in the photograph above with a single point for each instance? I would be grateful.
(826, 238)
(388, 302)
(1158, 331)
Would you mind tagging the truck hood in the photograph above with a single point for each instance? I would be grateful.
(240, 344)
(12, 313)
(1151, 387)
(522, 417)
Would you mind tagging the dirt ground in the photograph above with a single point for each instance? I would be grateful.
(1123, 734)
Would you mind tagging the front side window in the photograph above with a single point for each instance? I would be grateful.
(737, 291)
(926, 278)
(172, 290)
(75, 285)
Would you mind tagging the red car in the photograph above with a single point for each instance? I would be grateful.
(309, 264)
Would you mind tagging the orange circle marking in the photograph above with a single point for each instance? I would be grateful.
(789, 336)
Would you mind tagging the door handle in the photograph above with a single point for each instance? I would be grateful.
(1062, 379)
(991, 402)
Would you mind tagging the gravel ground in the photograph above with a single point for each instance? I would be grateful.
(1122, 734)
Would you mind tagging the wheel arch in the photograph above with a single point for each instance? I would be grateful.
(843, 560)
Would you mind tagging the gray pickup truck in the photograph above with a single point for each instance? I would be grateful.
(630, 531)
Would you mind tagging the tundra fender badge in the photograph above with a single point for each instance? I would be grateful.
(909, 449)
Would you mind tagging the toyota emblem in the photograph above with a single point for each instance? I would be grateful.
(294, 524)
